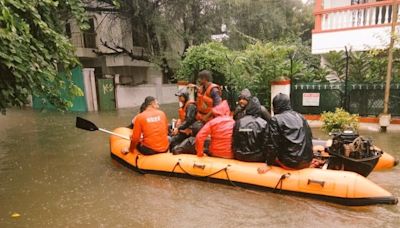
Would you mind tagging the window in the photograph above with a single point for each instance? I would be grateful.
(89, 36)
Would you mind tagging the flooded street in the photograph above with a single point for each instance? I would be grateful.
(55, 175)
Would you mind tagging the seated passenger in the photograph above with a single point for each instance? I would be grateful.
(187, 116)
(243, 101)
(152, 125)
(290, 137)
(250, 134)
(220, 129)
(187, 146)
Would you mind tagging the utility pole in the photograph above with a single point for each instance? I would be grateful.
(346, 80)
(384, 119)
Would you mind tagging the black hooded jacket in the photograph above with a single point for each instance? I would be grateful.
(291, 137)
(250, 134)
(241, 111)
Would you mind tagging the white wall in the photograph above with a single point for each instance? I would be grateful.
(357, 39)
(335, 3)
(339, 3)
(127, 96)
(130, 75)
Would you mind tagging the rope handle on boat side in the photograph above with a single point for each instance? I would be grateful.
(310, 181)
(225, 169)
(199, 166)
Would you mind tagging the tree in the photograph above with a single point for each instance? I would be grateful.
(33, 50)
(167, 28)
(211, 56)
(266, 20)
(364, 67)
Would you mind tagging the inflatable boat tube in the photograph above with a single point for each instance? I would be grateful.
(341, 187)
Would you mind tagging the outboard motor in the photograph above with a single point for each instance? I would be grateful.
(352, 152)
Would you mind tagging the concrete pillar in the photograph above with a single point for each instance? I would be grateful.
(90, 88)
(318, 17)
(384, 121)
(117, 87)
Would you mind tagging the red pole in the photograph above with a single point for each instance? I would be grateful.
(318, 16)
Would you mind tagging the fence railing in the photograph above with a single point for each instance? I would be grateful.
(352, 16)
(362, 99)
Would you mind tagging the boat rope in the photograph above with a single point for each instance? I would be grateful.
(280, 182)
(225, 169)
(227, 176)
(137, 165)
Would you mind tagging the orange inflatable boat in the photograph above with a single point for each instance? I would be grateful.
(347, 188)
(385, 162)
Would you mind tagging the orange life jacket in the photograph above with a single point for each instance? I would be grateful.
(153, 125)
(205, 101)
(182, 111)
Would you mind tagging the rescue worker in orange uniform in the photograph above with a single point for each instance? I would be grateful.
(141, 109)
(187, 116)
(208, 96)
(152, 124)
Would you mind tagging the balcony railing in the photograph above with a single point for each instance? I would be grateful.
(83, 40)
(352, 17)
(140, 51)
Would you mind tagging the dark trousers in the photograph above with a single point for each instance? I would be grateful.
(250, 157)
(147, 151)
(177, 139)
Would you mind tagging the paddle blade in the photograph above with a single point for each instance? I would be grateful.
(85, 124)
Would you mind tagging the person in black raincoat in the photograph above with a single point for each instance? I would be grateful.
(250, 134)
(243, 100)
(290, 136)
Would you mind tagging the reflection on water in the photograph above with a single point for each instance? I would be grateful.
(55, 175)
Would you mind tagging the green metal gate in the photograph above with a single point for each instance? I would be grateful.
(363, 99)
(106, 94)
(78, 103)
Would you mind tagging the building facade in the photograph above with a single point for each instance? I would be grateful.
(358, 25)
(107, 66)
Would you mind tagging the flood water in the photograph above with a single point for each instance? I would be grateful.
(55, 175)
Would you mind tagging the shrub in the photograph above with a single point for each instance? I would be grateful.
(339, 120)
(257, 66)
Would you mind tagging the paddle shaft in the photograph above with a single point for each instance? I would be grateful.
(116, 134)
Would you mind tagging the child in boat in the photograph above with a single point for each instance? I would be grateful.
(220, 129)
(152, 124)
(250, 134)
(290, 137)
